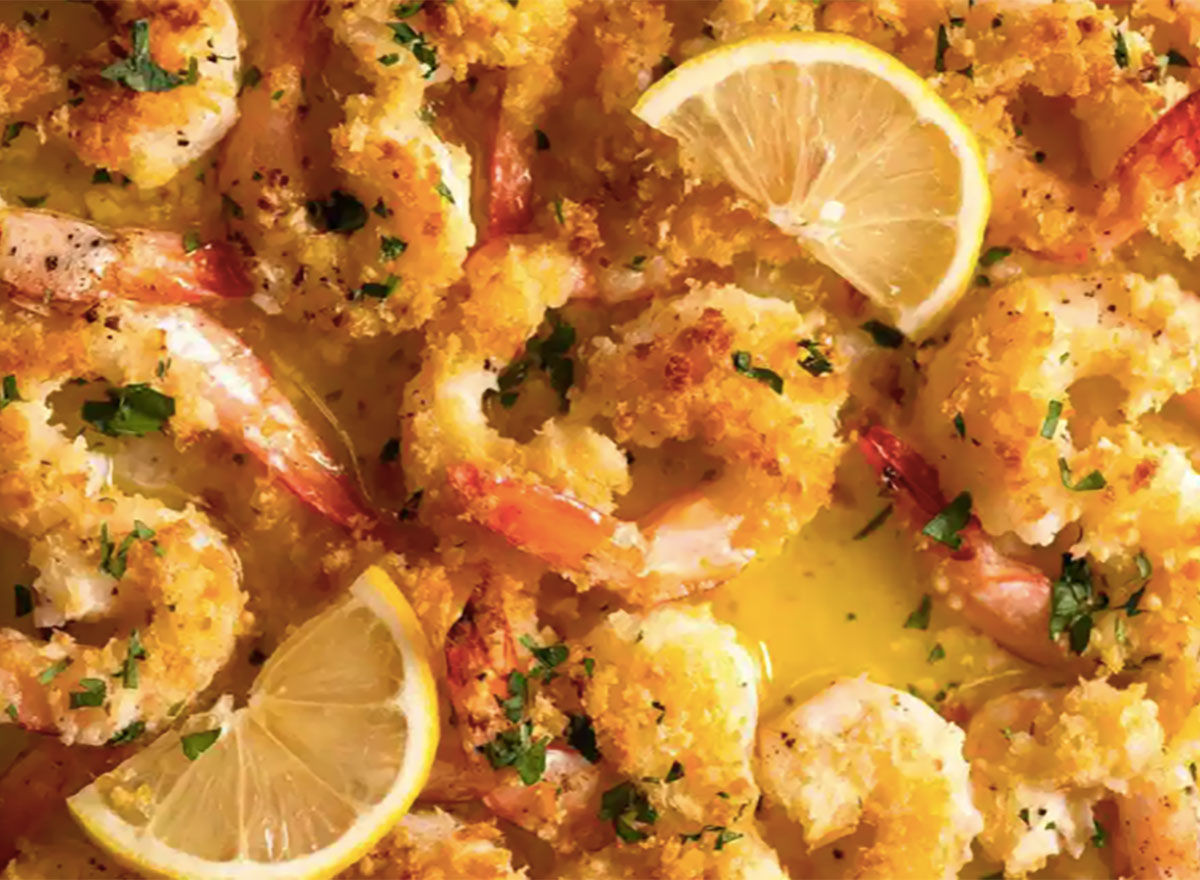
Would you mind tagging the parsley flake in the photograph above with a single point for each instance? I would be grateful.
(341, 212)
(52, 671)
(676, 772)
(1090, 483)
(816, 364)
(517, 749)
(140, 72)
(624, 805)
(391, 247)
(994, 255)
(133, 653)
(741, 363)
(581, 736)
(953, 518)
(883, 335)
(11, 131)
(919, 617)
(131, 411)
(128, 734)
(196, 744)
(875, 522)
(113, 559)
(93, 694)
(943, 43)
(1050, 423)
(547, 657)
(1073, 601)
(936, 653)
(1120, 50)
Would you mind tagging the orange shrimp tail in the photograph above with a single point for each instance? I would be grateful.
(480, 656)
(160, 269)
(510, 181)
(1169, 153)
(901, 468)
(552, 526)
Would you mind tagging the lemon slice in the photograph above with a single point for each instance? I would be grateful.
(335, 743)
(845, 148)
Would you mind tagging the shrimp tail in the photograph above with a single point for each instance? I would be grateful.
(162, 268)
(250, 406)
(510, 180)
(550, 525)
(1169, 152)
(1006, 598)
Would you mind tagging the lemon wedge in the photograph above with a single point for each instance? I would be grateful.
(335, 743)
(845, 148)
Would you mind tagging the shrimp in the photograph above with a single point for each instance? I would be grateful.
(167, 577)
(157, 95)
(674, 701)
(749, 379)
(376, 252)
(48, 255)
(51, 258)
(1042, 759)
(433, 843)
(861, 753)
(715, 854)
(1003, 597)
(500, 709)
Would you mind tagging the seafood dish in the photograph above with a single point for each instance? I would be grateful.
(587, 439)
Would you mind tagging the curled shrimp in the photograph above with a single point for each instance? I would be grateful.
(861, 753)
(159, 93)
(377, 251)
(47, 255)
(166, 577)
(674, 701)
(51, 258)
(750, 380)
(1043, 759)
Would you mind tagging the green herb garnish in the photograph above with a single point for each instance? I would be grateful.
(140, 72)
(951, 520)
(741, 363)
(196, 744)
(919, 617)
(132, 411)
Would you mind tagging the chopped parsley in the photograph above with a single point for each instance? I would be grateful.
(1073, 601)
(540, 139)
(131, 411)
(390, 451)
(875, 522)
(676, 772)
(951, 520)
(191, 241)
(816, 364)
(994, 255)
(444, 191)
(589, 666)
(196, 744)
(11, 131)
(625, 805)
(960, 425)
(549, 354)
(426, 55)
(102, 175)
(33, 201)
(723, 836)
(11, 711)
(1039, 156)
(943, 43)
(53, 671)
(376, 289)
(1099, 835)
(128, 734)
(884, 336)
(1175, 59)
(1090, 483)
(251, 77)
(1120, 50)
(408, 511)
(517, 749)
(381, 209)
(230, 207)
(581, 736)
(113, 559)
(1050, 423)
(558, 212)
(341, 212)
(661, 709)
(408, 10)
(936, 653)
(547, 657)
(518, 696)
(129, 669)
(919, 617)
(93, 694)
(23, 597)
(741, 363)
(638, 263)
(389, 59)
(391, 247)
(140, 72)
(666, 64)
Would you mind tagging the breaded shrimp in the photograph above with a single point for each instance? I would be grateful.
(752, 381)
(861, 753)
(25, 74)
(160, 93)
(1008, 374)
(432, 845)
(715, 854)
(674, 688)
(167, 576)
(1042, 759)
(376, 252)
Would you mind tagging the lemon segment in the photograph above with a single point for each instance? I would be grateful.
(845, 148)
(335, 743)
